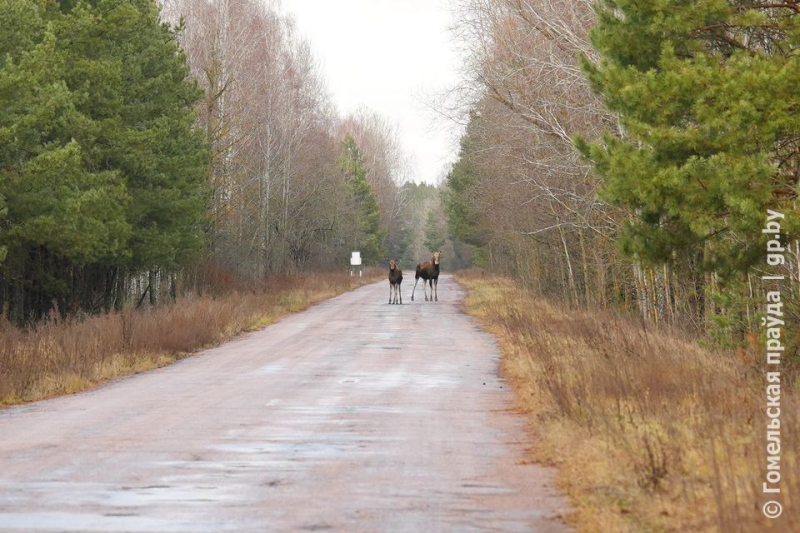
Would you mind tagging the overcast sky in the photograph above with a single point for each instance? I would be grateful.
(388, 55)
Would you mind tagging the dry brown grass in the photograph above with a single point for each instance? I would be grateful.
(61, 357)
(650, 431)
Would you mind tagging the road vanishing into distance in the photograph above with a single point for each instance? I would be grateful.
(354, 415)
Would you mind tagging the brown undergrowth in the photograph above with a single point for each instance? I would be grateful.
(66, 356)
(649, 431)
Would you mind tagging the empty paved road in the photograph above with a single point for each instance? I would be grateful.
(351, 416)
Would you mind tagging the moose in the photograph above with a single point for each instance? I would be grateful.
(395, 279)
(429, 272)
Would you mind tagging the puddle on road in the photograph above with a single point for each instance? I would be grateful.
(106, 507)
(393, 379)
(325, 409)
(400, 378)
(277, 367)
(74, 494)
(324, 446)
(61, 521)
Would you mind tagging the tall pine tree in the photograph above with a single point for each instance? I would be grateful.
(707, 97)
(464, 216)
(371, 234)
(100, 166)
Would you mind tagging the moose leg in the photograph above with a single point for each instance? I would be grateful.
(425, 288)
(400, 292)
(391, 290)
(415, 288)
(436, 288)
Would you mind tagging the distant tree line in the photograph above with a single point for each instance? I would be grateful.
(282, 192)
(626, 152)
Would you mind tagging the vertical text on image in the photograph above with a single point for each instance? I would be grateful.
(773, 324)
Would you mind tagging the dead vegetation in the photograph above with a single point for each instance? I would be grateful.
(65, 356)
(649, 431)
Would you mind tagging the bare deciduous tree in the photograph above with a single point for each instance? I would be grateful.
(278, 199)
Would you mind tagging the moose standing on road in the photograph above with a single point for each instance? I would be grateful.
(429, 272)
(395, 279)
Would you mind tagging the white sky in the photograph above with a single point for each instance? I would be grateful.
(388, 55)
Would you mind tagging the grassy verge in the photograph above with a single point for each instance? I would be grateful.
(69, 356)
(649, 431)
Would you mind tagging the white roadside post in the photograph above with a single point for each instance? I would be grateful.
(355, 261)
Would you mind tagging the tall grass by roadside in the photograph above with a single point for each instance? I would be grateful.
(65, 356)
(650, 431)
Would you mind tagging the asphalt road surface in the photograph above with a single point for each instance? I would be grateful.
(354, 415)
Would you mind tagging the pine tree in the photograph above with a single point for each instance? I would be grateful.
(464, 217)
(368, 215)
(707, 97)
(60, 210)
(146, 123)
(435, 232)
(100, 167)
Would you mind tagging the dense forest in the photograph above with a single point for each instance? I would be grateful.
(148, 149)
(626, 152)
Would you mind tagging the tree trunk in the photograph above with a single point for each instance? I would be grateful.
(573, 289)
(585, 264)
(153, 279)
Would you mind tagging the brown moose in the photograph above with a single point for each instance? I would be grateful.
(429, 272)
(395, 279)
